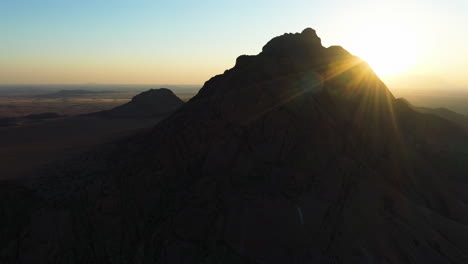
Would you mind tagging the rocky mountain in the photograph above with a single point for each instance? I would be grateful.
(299, 154)
(154, 102)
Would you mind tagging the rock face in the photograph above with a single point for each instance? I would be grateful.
(152, 103)
(299, 154)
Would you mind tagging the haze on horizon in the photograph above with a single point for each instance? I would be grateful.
(187, 42)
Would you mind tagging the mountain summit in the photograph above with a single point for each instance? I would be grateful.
(299, 154)
(151, 103)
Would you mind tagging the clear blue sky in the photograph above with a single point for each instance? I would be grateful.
(186, 42)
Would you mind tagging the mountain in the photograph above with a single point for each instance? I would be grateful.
(443, 112)
(299, 154)
(154, 102)
(461, 120)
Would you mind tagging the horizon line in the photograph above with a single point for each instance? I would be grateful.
(129, 84)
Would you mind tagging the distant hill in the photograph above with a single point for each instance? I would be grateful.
(455, 117)
(461, 120)
(154, 102)
(72, 93)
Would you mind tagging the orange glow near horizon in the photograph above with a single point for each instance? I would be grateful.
(140, 42)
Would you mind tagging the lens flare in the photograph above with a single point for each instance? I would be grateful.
(389, 49)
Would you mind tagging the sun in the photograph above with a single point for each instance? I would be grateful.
(389, 49)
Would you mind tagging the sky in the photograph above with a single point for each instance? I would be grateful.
(187, 42)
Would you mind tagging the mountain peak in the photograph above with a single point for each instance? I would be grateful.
(151, 103)
(294, 45)
(147, 97)
(296, 52)
(301, 59)
(309, 31)
(311, 35)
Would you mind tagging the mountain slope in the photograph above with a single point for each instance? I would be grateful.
(445, 113)
(299, 154)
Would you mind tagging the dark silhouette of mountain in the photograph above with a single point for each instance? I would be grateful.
(443, 112)
(155, 102)
(299, 154)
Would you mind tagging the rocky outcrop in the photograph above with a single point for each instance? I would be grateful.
(299, 154)
(152, 103)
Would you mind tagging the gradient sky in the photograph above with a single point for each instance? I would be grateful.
(187, 42)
